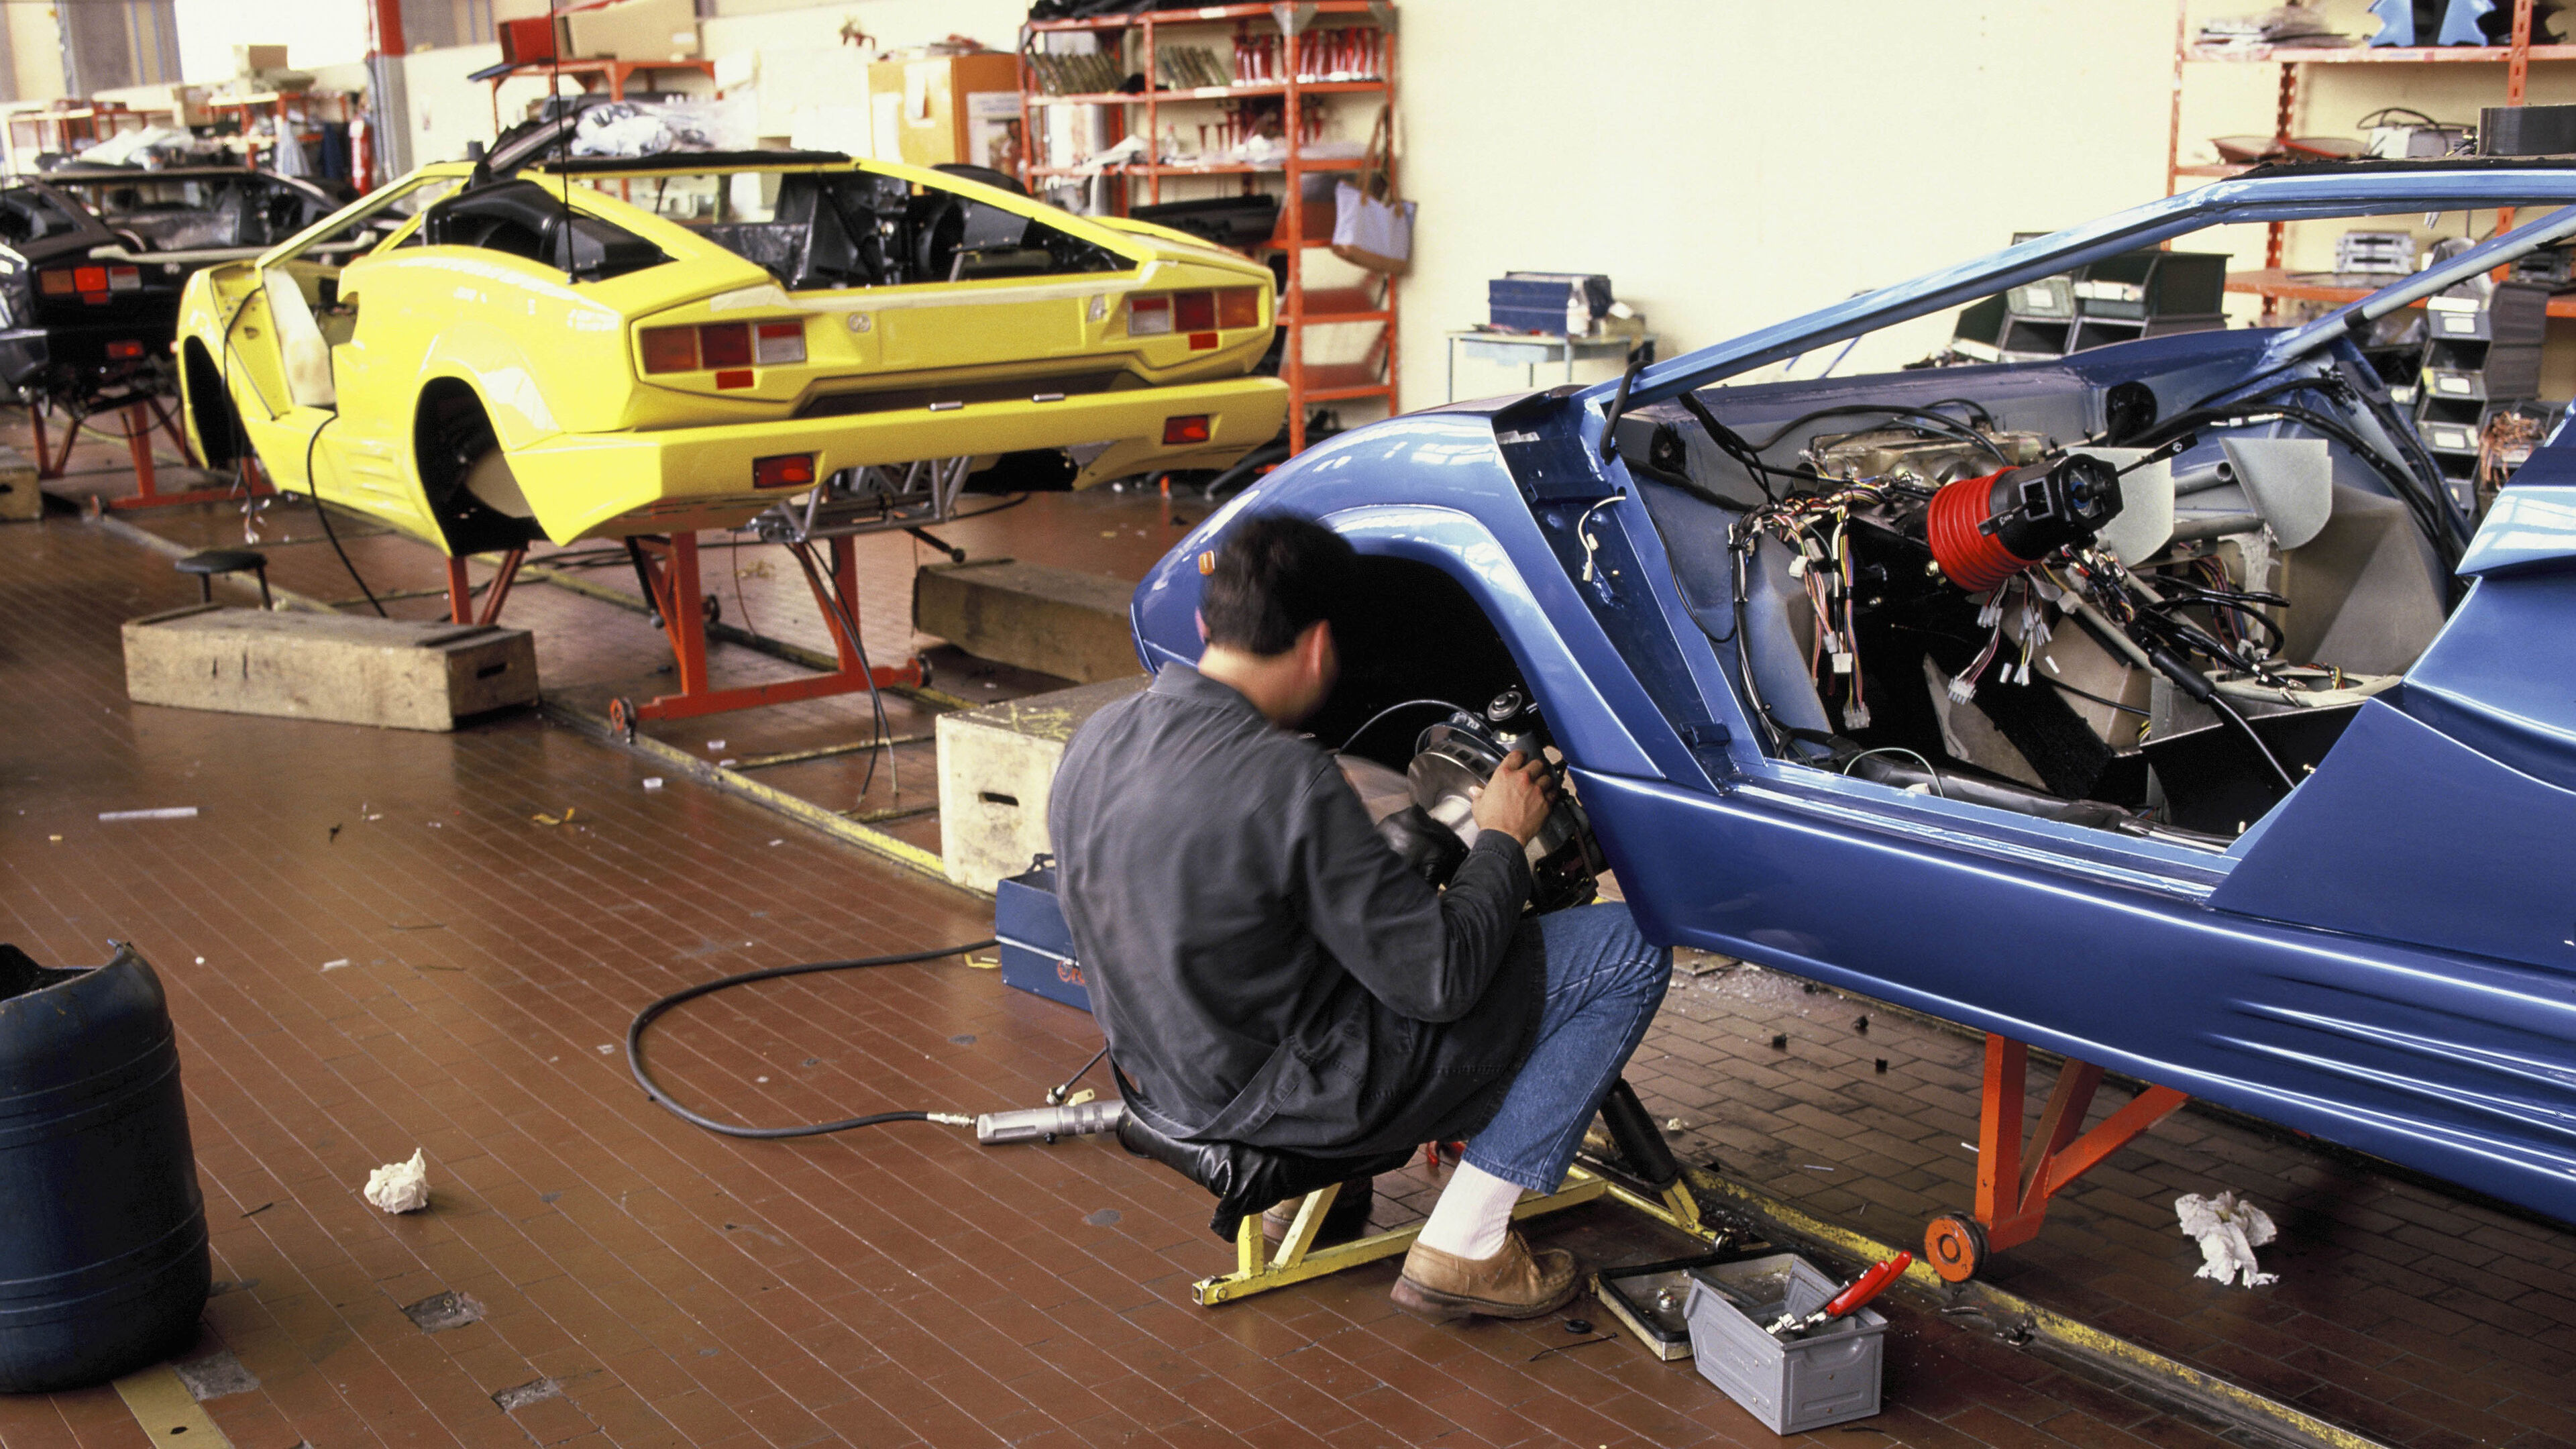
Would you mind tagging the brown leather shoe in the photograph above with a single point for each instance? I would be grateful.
(1514, 1283)
(1346, 1219)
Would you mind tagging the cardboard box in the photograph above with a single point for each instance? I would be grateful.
(253, 59)
(937, 121)
(633, 30)
(538, 38)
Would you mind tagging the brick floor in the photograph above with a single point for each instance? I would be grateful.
(900, 1285)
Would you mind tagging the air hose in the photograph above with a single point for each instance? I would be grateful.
(653, 1089)
(991, 1128)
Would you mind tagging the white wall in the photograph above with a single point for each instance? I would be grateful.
(314, 32)
(1727, 163)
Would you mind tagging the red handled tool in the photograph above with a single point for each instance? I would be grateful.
(1863, 1288)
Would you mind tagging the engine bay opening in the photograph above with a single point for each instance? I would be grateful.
(2061, 595)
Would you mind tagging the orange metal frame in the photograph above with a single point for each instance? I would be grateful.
(460, 589)
(2011, 1209)
(139, 419)
(671, 566)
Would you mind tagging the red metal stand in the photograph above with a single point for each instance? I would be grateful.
(139, 418)
(460, 589)
(670, 566)
(2010, 1212)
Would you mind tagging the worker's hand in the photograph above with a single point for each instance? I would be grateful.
(1516, 800)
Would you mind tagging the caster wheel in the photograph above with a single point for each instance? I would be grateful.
(1955, 1247)
(925, 671)
(711, 609)
(621, 718)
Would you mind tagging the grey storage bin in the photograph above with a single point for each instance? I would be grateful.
(1830, 1376)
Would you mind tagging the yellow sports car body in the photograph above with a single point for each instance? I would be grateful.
(602, 348)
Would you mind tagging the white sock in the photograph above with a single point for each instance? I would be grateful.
(1473, 1215)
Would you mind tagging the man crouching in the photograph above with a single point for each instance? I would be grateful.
(1269, 972)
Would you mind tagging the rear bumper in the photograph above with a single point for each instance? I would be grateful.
(588, 485)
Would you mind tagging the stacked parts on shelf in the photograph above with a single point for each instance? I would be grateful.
(2118, 299)
(2481, 359)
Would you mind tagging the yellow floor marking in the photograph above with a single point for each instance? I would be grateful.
(167, 1411)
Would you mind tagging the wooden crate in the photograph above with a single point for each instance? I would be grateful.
(1055, 621)
(397, 673)
(996, 772)
(19, 499)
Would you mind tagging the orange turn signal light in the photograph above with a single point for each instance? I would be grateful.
(783, 470)
(1192, 428)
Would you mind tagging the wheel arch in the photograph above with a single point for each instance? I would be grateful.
(451, 427)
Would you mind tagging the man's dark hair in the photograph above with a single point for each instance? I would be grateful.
(1276, 575)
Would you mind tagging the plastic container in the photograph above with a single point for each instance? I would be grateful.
(103, 1264)
(1829, 1376)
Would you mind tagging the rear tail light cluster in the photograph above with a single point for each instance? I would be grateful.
(724, 347)
(1192, 428)
(124, 351)
(1159, 314)
(90, 284)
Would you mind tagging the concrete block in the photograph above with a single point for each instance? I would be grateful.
(996, 771)
(399, 673)
(1055, 621)
(19, 500)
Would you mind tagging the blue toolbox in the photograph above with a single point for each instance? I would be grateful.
(1561, 304)
(1037, 949)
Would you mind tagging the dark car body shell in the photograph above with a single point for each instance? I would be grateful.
(2387, 960)
(60, 345)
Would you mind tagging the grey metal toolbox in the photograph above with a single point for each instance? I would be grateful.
(1828, 1376)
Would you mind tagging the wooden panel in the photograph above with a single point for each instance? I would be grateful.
(398, 673)
(1055, 621)
(996, 772)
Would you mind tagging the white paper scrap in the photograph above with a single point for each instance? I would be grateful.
(335, 965)
(652, 782)
(175, 812)
(2229, 1232)
(399, 1187)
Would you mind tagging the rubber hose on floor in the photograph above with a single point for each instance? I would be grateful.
(652, 1089)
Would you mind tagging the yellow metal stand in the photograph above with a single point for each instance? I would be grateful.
(1258, 1268)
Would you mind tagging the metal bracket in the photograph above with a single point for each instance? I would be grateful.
(869, 500)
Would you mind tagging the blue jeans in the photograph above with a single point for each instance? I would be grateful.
(1603, 985)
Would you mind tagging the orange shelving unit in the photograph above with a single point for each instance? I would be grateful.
(1317, 53)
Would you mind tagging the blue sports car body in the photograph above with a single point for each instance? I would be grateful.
(2090, 855)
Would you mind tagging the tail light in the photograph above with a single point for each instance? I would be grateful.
(1149, 316)
(57, 283)
(776, 344)
(785, 470)
(124, 351)
(726, 345)
(1190, 429)
(125, 279)
(1159, 314)
(89, 279)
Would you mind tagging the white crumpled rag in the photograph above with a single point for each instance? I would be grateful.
(2229, 1232)
(403, 1187)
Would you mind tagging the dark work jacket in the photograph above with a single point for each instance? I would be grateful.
(1266, 970)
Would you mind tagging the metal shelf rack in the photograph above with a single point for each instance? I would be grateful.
(1300, 307)
(2272, 283)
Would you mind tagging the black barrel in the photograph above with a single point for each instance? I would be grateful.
(103, 1265)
